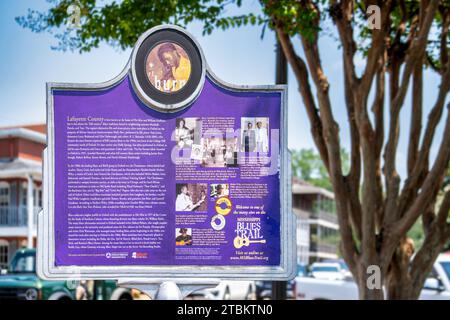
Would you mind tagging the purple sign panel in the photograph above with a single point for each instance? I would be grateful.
(136, 186)
(166, 166)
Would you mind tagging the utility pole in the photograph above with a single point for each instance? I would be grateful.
(30, 211)
(281, 68)
(279, 287)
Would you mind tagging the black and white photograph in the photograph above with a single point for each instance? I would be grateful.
(183, 236)
(219, 190)
(191, 197)
(255, 135)
(187, 132)
(219, 152)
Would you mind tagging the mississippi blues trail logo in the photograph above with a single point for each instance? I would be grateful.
(248, 231)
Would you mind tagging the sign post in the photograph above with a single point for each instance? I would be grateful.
(281, 77)
(166, 175)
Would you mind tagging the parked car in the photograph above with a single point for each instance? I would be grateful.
(302, 270)
(20, 282)
(344, 268)
(264, 288)
(327, 271)
(437, 285)
(228, 290)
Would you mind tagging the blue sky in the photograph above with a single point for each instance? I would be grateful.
(237, 56)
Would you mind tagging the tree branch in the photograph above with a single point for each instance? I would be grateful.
(342, 14)
(331, 136)
(430, 186)
(301, 73)
(414, 56)
(414, 182)
(378, 111)
(377, 47)
(416, 118)
(435, 240)
(444, 35)
(443, 212)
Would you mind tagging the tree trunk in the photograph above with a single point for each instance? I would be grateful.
(369, 294)
(398, 279)
(366, 292)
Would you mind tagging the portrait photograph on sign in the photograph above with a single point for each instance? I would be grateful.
(255, 134)
(188, 132)
(168, 70)
(168, 67)
(183, 237)
(219, 190)
(191, 197)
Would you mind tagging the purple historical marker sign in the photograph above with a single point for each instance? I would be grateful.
(166, 171)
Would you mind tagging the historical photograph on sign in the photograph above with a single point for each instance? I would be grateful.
(220, 152)
(219, 190)
(187, 132)
(197, 152)
(255, 134)
(168, 67)
(191, 197)
(183, 236)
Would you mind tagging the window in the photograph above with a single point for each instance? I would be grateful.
(4, 194)
(23, 263)
(23, 194)
(446, 267)
(4, 251)
(37, 195)
(325, 269)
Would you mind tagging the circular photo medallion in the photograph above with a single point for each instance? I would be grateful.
(168, 67)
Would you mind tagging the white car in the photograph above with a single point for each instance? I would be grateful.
(437, 286)
(327, 271)
(229, 290)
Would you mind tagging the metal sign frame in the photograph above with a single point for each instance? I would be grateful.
(46, 267)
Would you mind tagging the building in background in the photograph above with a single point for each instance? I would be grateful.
(20, 187)
(317, 226)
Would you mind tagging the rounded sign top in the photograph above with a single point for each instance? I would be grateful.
(167, 68)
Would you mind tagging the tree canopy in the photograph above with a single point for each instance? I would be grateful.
(308, 166)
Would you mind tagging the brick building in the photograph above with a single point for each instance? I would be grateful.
(20, 187)
(317, 225)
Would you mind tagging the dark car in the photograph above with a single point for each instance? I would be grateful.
(20, 282)
(264, 288)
